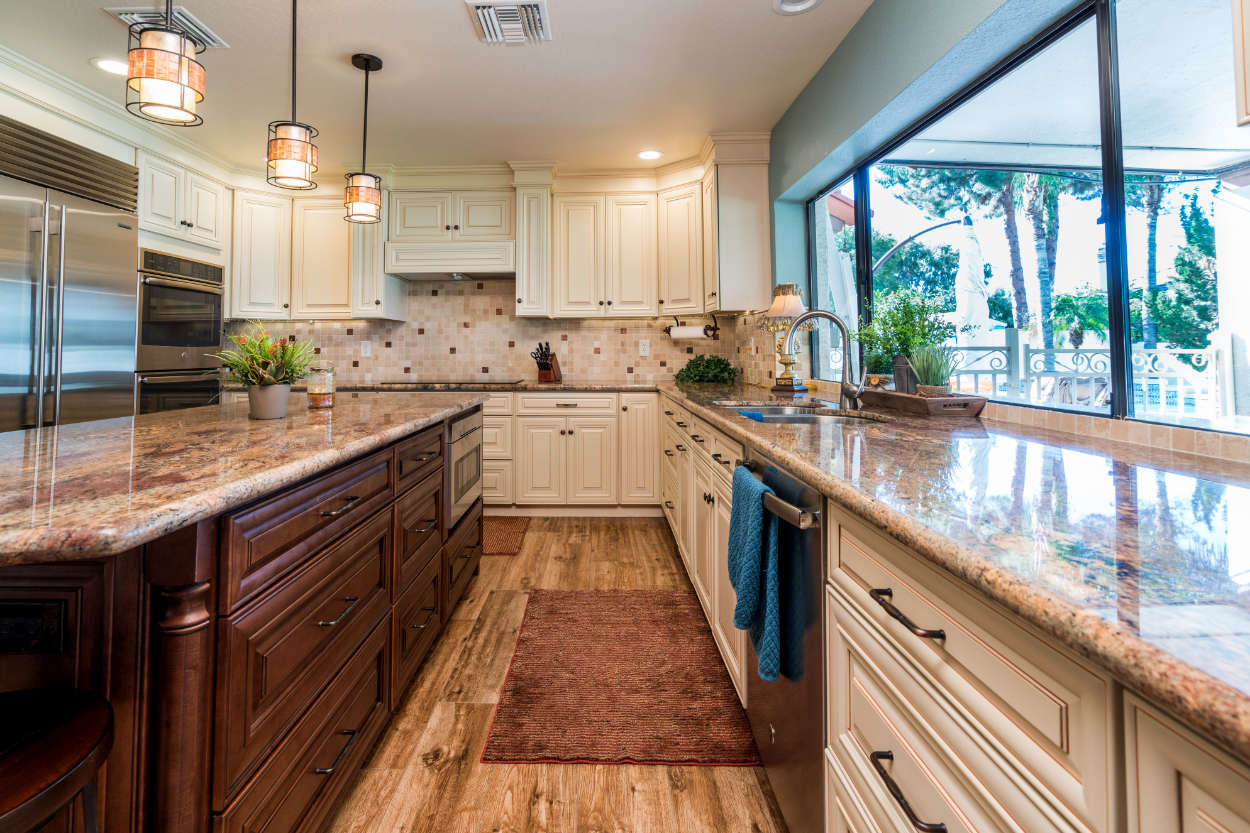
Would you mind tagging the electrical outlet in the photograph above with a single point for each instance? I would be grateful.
(644, 347)
(366, 349)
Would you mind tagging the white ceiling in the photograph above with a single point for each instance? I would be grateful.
(619, 75)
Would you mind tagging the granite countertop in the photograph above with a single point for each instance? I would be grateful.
(504, 387)
(1127, 554)
(102, 487)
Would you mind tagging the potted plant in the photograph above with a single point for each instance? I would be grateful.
(903, 322)
(932, 366)
(266, 368)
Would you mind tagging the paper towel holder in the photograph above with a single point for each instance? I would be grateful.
(712, 330)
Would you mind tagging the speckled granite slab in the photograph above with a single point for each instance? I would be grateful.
(1136, 558)
(102, 487)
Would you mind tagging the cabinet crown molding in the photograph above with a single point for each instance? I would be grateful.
(741, 148)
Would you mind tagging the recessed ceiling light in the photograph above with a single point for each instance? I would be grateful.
(110, 65)
(649, 154)
(794, 6)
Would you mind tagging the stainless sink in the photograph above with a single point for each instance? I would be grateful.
(799, 414)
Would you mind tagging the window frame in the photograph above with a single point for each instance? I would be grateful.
(1114, 208)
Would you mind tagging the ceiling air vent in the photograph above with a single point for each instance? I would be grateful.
(507, 21)
(200, 33)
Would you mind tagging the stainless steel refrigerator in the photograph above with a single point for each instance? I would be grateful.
(68, 280)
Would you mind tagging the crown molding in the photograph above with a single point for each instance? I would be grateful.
(741, 148)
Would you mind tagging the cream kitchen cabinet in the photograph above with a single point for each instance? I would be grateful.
(498, 474)
(681, 251)
(639, 443)
(566, 460)
(375, 294)
(592, 459)
(737, 245)
(704, 533)
(321, 263)
(604, 255)
(732, 642)
(444, 216)
(182, 204)
(533, 250)
(260, 277)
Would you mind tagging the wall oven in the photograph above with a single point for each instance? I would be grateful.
(464, 465)
(173, 390)
(180, 312)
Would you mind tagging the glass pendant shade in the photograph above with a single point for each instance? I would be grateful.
(164, 82)
(292, 156)
(363, 198)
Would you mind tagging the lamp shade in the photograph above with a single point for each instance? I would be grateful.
(291, 155)
(164, 82)
(363, 198)
(787, 302)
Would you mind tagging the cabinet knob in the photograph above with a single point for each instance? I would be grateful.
(286, 306)
(446, 228)
(609, 303)
(190, 224)
(457, 228)
(518, 300)
(624, 407)
(561, 432)
(713, 294)
(601, 303)
(378, 302)
(660, 301)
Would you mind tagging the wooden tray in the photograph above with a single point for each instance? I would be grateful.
(956, 404)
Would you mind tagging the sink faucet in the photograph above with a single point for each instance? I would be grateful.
(849, 391)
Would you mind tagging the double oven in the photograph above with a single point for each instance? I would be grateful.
(180, 320)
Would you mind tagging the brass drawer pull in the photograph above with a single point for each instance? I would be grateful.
(329, 623)
(566, 404)
(697, 438)
(329, 770)
(352, 500)
(681, 424)
(923, 826)
(883, 595)
(424, 458)
(680, 447)
(430, 524)
(426, 623)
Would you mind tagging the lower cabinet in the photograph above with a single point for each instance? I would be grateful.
(732, 642)
(592, 459)
(415, 625)
(639, 437)
(541, 467)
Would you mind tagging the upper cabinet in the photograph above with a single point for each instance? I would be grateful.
(443, 216)
(604, 255)
(737, 240)
(681, 251)
(299, 259)
(180, 203)
(533, 249)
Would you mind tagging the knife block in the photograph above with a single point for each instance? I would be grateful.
(552, 375)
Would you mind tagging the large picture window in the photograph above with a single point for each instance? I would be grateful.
(991, 216)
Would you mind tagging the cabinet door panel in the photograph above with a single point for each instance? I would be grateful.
(421, 215)
(206, 211)
(540, 460)
(160, 190)
(321, 260)
(579, 256)
(702, 533)
(731, 640)
(640, 448)
(533, 250)
(681, 251)
(484, 215)
(631, 284)
(261, 262)
(711, 259)
(592, 465)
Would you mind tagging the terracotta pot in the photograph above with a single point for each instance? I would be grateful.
(267, 401)
(933, 390)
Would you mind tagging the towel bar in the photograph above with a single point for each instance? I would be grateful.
(788, 512)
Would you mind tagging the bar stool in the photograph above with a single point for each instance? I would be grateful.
(53, 741)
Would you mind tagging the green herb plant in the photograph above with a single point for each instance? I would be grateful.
(903, 322)
(704, 368)
(933, 365)
(260, 360)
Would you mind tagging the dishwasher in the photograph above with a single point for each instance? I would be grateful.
(788, 716)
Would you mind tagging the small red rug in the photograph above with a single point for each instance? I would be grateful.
(619, 677)
(503, 535)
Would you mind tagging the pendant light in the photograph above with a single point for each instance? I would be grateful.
(164, 82)
(292, 156)
(363, 197)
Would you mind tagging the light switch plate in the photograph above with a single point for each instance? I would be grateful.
(644, 347)
(366, 348)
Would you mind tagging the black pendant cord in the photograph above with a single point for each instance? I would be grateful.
(364, 131)
(293, 121)
(169, 13)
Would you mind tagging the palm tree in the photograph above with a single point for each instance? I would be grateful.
(1146, 192)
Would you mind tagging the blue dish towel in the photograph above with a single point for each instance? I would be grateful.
(753, 570)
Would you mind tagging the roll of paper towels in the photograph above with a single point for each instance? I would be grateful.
(687, 332)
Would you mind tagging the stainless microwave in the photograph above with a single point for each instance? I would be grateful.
(180, 312)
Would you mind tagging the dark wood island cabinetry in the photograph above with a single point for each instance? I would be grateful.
(252, 657)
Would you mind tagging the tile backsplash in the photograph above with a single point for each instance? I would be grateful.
(465, 330)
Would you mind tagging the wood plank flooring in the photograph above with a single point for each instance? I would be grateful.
(426, 776)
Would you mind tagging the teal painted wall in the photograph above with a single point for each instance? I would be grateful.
(900, 60)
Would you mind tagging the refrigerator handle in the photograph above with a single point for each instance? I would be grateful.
(60, 316)
(41, 316)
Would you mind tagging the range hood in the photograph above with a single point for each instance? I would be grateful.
(435, 261)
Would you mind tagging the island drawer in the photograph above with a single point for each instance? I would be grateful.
(416, 623)
(268, 539)
(1178, 782)
(463, 553)
(277, 654)
(419, 529)
(1032, 700)
(418, 456)
(300, 785)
